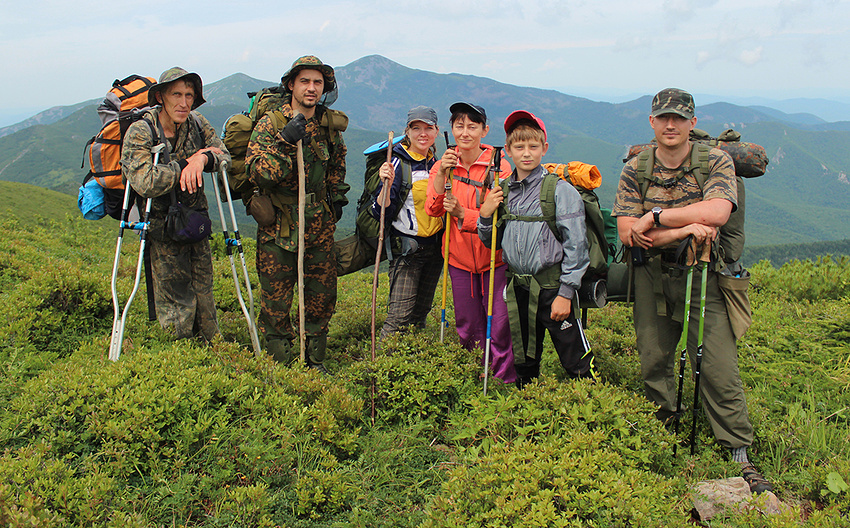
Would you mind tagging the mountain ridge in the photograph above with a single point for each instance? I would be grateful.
(376, 92)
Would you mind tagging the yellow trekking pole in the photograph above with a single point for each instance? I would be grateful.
(497, 154)
(448, 189)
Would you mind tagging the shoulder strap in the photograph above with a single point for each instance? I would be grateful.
(698, 166)
(699, 163)
(547, 205)
(646, 160)
(547, 202)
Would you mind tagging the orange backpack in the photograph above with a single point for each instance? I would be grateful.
(125, 103)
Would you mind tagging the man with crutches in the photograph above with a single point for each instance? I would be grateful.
(671, 209)
(304, 129)
(182, 270)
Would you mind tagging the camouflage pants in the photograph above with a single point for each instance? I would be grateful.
(183, 288)
(278, 273)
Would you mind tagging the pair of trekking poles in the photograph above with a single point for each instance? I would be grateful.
(496, 165)
(703, 259)
(119, 320)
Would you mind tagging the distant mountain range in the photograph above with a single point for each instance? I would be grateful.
(803, 197)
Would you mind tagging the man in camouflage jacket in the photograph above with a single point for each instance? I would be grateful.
(673, 208)
(183, 275)
(272, 167)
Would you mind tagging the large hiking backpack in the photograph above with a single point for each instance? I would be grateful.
(359, 250)
(237, 130)
(102, 191)
(584, 178)
(366, 225)
(750, 162)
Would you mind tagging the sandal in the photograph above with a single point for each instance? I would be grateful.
(756, 481)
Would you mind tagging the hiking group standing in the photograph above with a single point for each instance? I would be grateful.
(537, 251)
(182, 272)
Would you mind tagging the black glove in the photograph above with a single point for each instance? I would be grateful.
(295, 130)
(338, 210)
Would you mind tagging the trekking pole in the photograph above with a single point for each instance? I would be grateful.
(381, 197)
(497, 155)
(236, 242)
(704, 258)
(448, 189)
(302, 202)
(119, 319)
(683, 344)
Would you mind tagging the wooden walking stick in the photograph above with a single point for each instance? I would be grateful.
(382, 198)
(497, 154)
(448, 225)
(302, 202)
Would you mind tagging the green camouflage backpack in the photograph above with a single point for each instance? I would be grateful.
(237, 130)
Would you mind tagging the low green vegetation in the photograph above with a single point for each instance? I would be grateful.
(183, 434)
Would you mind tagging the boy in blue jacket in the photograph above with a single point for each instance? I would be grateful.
(545, 268)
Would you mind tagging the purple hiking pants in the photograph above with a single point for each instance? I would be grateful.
(470, 293)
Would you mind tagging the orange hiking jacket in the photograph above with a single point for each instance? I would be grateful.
(465, 249)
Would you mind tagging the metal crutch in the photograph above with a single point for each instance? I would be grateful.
(236, 242)
(119, 319)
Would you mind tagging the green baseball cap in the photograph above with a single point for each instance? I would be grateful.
(175, 74)
(310, 62)
(673, 101)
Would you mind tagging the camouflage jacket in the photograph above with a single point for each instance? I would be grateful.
(157, 181)
(680, 186)
(272, 166)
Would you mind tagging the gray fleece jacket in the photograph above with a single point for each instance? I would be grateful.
(531, 247)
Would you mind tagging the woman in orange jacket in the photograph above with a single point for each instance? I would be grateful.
(469, 259)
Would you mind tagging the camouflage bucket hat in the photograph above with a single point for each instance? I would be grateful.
(310, 62)
(673, 101)
(175, 74)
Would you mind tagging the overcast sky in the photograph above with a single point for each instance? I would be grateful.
(60, 52)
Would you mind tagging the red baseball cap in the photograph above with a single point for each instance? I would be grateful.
(523, 114)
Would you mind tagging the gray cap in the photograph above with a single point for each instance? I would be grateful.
(673, 101)
(175, 74)
(426, 114)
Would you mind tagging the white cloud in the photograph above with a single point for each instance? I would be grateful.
(751, 57)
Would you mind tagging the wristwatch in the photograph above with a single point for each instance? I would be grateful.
(656, 214)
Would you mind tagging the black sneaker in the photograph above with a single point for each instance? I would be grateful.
(757, 482)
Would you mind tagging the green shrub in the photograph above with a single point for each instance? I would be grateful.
(559, 454)
(418, 378)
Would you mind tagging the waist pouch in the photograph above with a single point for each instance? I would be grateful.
(185, 225)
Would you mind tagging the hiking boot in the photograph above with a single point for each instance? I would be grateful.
(756, 481)
(280, 350)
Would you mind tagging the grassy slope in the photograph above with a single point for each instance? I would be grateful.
(420, 464)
